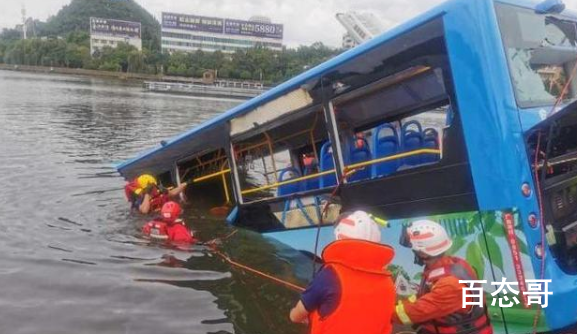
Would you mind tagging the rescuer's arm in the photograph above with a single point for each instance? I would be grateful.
(177, 190)
(144, 207)
(322, 296)
(445, 298)
(299, 313)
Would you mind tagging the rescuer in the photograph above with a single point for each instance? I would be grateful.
(438, 306)
(168, 227)
(353, 292)
(146, 195)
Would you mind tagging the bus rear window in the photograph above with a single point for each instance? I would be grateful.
(541, 52)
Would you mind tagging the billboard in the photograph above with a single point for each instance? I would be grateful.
(192, 22)
(222, 26)
(250, 28)
(115, 27)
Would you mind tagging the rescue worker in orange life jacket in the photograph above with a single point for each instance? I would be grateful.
(145, 194)
(438, 306)
(169, 227)
(353, 292)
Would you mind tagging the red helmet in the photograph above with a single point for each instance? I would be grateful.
(170, 211)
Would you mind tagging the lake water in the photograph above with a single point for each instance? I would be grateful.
(72, 257)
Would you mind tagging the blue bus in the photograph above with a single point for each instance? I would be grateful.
(464, 115)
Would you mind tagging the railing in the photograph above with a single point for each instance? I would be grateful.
(203, 89)
(348, 169)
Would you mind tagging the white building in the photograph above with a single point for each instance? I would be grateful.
(360, 27)
(348, 41)
(108, 32)
(189, 33)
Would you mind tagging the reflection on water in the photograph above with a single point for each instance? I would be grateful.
(73, 260)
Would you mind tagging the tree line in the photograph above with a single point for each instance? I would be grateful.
(257, 63)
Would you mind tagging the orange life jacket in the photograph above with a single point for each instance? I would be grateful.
(159, 230)
(472, 320)
(367, 290)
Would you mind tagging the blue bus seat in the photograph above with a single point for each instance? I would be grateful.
(359, 154)
(310, 184)
(383, 147)
(412, 140)
(285, 175)
(431, 141)
(327, 163)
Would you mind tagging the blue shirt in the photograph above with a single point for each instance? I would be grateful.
(323, 293)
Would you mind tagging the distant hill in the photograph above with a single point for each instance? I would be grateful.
(76, 16)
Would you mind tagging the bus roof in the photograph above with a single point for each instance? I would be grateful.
(164, 156)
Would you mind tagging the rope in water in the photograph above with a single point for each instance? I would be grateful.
(226, 258)
(258, 272)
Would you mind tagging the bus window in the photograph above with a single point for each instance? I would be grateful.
(260, 170)
(540, 50)
(556, 166)
(395, 128)
(207, 174)
(272, 163)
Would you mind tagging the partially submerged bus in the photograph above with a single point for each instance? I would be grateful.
(463, 115)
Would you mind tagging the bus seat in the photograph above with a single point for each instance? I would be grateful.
(412, 139)
(310, 184)
(431, 141)
(327, 163)
(285, 175)
(359, 154)
(383, 147)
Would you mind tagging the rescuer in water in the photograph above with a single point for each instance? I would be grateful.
(438, 306)
(353, 292)
(145, 194)
(168, 227)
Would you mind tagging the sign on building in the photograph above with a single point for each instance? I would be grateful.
(222, 26)
(256, 29)
(192, 22)
(110, 32)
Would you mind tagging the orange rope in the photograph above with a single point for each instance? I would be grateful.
(259, 273)
(212, 247)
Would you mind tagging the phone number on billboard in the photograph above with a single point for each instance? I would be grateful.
(256, 29)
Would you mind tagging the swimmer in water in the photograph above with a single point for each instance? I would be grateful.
(169, 227)
(146, 195)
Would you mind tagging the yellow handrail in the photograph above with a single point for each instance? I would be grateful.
(393, 157)
(347, 168)
(282, 183)
(210, 176)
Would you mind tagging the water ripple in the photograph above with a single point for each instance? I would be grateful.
(73, 258)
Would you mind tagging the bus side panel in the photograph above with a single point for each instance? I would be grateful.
(478, 237)
(504, 249)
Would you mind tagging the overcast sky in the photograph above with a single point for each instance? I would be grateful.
(305, 21)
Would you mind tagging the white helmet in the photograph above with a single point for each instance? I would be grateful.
(357, 225)
(429, 237)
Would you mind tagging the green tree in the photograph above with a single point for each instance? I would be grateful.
(76, 17)
(110, 66)
(135, 62)
(79, 37)
(118, 56)
(77, 56)
(10, 35)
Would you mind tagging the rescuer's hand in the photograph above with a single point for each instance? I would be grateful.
(148, 189)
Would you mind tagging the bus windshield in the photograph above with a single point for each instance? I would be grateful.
(541, 51)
